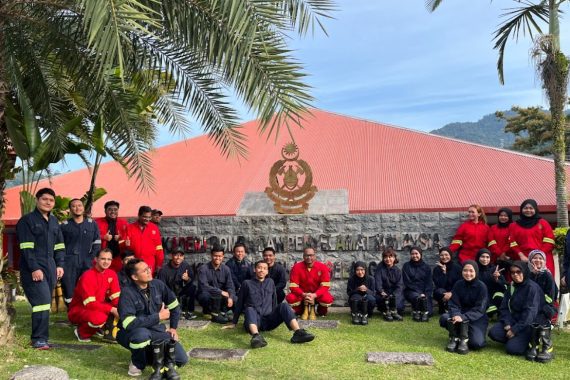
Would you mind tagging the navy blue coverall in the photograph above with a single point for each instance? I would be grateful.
(389, 281)
(211, 283)
(418, 280)
(185, 291)
(279, 276)
(241, 271)
(258, 302)
(82, 242)
(139, 323)
(469, 301)
(41, 248)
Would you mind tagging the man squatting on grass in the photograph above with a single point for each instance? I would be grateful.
(257, 299)
(142, 305)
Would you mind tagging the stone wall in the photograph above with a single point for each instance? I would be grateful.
(339, 239)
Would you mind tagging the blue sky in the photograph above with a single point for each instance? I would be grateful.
(401, 65)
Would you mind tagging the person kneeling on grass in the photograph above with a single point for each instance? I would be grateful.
(95, 299)
(257, 300)
(519, 310)
(143, 304)
(467, 319)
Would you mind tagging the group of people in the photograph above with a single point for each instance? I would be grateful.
(505, 270)
(115, 284)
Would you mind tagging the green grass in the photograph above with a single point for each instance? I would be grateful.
(334, 354)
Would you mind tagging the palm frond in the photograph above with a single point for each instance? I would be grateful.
(519, 20)
(432, 5)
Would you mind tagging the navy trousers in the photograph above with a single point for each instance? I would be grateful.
(283, 313)
(517, 345)
(39, 296)
(476, 333)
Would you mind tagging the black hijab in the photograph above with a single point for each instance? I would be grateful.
(509, 213)
(481, 267)
(360, 280)
(475, 268)
(524, 269)
(525, 221)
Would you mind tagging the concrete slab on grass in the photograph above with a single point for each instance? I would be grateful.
(77, 347)
(192, 324)
(416, 358)
(218, 353)
(40, 372)
(319, 324)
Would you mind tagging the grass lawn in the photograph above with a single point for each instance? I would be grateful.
(334, 354)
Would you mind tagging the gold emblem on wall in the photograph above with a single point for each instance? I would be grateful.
(291, 182)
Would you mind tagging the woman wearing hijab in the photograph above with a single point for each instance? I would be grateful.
(360, 290)
(466, 321)
(498, 237)
(418, 286)
(531, 232)
(472, 235)
(518, 311)
(389, 287)
(540, 333)
(445, 274)
(491, 276)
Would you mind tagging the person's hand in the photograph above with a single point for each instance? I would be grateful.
(185, 276)
(117, 237)
(115, 312)
(442, 266)
(127, 241)
(362, 288)
(522, 257)
(510, 334)
(507, 327)
(457, 319)
(497, 272)
(229, 326)
(563, 281)
(108, 236)
(164, 313)
(230, 302)
(225, 294)
(503, 256)
(310, 297)
(59, 272)
(173, 333)
(384, 294)
(38, 275)
(447, 296)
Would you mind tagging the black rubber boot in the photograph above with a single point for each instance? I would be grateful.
(462, 347)
(169, 372)
(157, 360)
(364, 311)
(453, 336)
(354, 312)
(386, 312)
(393, 310)
(416, 310)
(424, 310)
(215, 306)
(545, 338)
(533, 343)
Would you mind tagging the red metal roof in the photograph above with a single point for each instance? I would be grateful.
(384, 168)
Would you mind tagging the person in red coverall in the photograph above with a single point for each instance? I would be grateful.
(113, 231)
(471, 236)
(95, 298)
(309, 284)
(499, 244)
(144, 239)
(532, 232)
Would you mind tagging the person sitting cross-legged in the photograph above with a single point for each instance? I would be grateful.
(257, 300)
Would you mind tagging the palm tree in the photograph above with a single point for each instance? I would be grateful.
(124, 67)
(552, 67)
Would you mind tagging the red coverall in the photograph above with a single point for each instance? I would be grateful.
(122, 224)
(146, 244)
(539, 236)
(471, 237)
(314, 280)
(94, 296)
(499, 242)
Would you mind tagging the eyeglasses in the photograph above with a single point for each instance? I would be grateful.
(516, 272)
(145, 270)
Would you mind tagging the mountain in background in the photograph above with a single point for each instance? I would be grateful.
(489, 130)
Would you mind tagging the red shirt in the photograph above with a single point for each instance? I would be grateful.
(146, 243)
(97, 291)
(310, 280)
(104, 228)
(499, 242)
(471, 237)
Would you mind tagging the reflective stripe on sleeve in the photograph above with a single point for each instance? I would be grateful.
(548, 240)
(514, 244)
(547, 298)
(492, 242)
(173, 305)
(114, 295)
(158, 247)
(88, 300)
(293, 285)
(127, 321)
(27, 245)
(326, 284)
(96, 242)
(58, 246)
(457, 242)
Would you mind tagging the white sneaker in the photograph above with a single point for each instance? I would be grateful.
(133, 370)
(76, 332)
